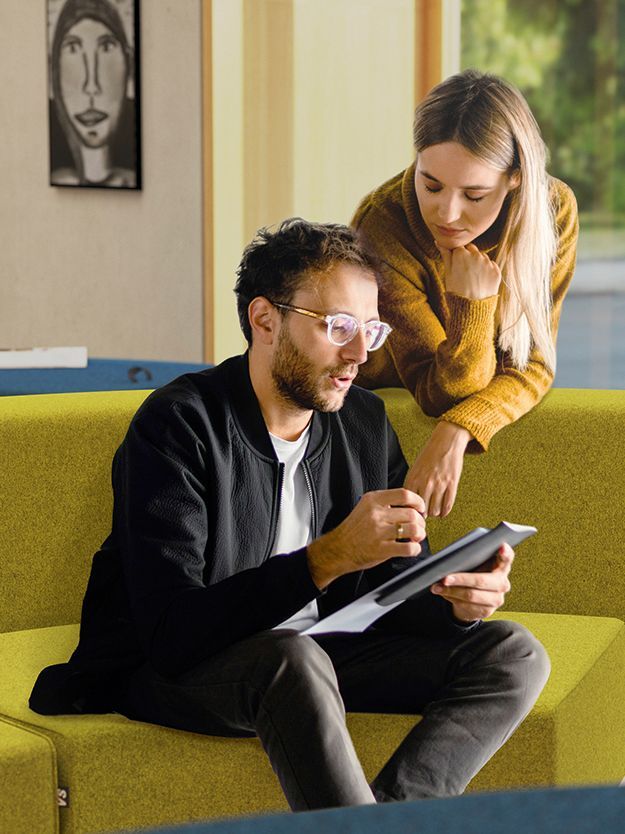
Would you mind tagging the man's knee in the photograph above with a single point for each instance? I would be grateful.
(293, 660)
(517, 656)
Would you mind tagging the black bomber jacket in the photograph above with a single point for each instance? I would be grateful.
(186, 571)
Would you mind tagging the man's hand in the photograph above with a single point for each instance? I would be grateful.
(436, 472)
(474, 596)
(369, 535)
(469, 272)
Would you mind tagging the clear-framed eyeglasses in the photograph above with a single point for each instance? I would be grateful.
(343, 327)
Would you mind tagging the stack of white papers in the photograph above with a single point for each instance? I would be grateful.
(468, 553)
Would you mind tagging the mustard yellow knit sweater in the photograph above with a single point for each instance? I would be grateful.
(443, 346)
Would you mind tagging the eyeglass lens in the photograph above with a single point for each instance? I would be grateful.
(344, 328)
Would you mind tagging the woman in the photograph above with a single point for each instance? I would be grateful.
(92, 84)
(478, 246)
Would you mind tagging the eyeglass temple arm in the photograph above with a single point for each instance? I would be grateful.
(303, 312)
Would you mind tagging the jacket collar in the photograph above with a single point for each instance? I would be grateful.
(249, 419)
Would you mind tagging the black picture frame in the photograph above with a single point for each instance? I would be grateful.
(94, 84)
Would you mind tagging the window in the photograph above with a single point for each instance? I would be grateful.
(568, 59)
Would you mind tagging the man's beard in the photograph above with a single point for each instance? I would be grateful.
(298, 381)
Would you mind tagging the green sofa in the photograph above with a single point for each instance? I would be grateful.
(559, 468)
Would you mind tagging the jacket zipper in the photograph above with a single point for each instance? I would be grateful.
(277, 500)
(311, 495)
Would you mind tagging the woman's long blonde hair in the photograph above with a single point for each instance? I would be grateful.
(491, 119)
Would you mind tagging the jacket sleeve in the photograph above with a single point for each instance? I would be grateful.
(397, 466)
(162, 477)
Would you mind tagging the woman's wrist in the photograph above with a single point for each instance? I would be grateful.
(452, 435)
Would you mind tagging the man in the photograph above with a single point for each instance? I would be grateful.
(255, 497)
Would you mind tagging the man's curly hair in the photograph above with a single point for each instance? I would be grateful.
(277, 263)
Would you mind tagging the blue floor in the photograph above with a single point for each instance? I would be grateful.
(591, 341)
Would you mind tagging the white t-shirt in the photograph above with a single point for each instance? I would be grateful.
(295, 515)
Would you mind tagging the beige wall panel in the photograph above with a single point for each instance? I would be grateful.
(353, 101)
(119, 272)
(268, 112)
(312, 107)
(229, 236)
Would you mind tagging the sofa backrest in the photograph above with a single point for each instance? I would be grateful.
(560, 468)
(55, 499)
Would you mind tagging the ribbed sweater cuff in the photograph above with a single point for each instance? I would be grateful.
(478, 416)
(471, 319)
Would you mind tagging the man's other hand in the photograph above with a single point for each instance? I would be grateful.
(474, 596)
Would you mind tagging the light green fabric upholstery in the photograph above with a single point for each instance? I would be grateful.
(121, 773)
(558, 468)
(55, 498)
(575, 735)
(28, 776)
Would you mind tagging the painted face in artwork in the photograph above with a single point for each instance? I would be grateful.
(93, 75)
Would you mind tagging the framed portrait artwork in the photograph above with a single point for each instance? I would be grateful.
(94, 107)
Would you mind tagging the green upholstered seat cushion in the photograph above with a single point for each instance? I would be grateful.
(28, 793)
(558, 468)
(55, 498)
(123, 773)
(575, 735)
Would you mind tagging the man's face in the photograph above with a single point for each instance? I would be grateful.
(308, 371)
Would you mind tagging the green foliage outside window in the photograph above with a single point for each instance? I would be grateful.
(568, 59)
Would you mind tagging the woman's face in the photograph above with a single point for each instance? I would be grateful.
(459, 196)
(93, 78)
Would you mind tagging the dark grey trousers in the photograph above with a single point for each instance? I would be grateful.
(292, 691)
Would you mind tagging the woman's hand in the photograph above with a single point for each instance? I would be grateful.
(436, 472)
(469, 272)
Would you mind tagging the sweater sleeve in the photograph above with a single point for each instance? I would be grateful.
(443, 346)
(511, 392)
(440, 366)
(440, 355)
(161, 483)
